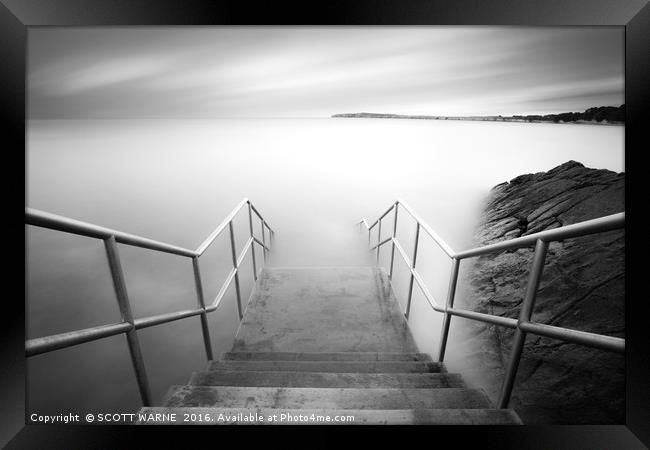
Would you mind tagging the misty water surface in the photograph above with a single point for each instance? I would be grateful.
(313, 179)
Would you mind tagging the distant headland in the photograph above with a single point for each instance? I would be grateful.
(601, 115)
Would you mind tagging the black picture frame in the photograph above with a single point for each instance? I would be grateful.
(16, 16)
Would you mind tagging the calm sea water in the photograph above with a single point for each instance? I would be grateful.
(313, 179)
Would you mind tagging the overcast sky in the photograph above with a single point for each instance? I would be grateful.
(203, 72)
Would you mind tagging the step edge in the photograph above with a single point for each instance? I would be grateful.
(479, 394)
(511, 414)
(225, 356)
(455, 379)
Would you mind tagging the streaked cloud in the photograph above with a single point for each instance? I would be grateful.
(319, 71)
(104, 76)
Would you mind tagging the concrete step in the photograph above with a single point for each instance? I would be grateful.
(329, 366)
(324, 356)
(326, 398)
(264, 416)
(323, 309)
(326, 379)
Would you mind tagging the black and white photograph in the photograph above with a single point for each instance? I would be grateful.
(346, 217)
(325, 225)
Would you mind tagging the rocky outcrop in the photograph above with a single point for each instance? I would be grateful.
(582, 288)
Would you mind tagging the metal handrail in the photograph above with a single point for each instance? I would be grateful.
(55, 222)
(523, 324)
(129, 325)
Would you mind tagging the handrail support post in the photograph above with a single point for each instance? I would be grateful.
(201, 301)
(446, 321)
(392, 251)
(234, 265)
(250, 225)
(263, 239)
(412, 277)
(541, 247)
(378, 240)
(127, 316)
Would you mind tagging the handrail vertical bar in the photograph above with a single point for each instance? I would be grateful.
(234, 264)
(263, 239)
(525, 314)
(127, 316)
(446, 321)
(378, 240)
(412, 278)
(250, 225)
(392, 251)
(204, 315)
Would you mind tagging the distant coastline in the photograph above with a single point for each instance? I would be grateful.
(602, 115)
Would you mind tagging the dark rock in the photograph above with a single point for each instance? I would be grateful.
(582, 288)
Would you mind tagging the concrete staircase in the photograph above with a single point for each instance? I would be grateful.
(326, 342)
